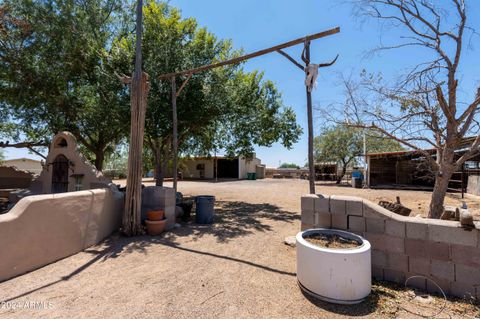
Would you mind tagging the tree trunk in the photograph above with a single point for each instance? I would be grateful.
(157, 157)
(439, 192)
(99, 159)
(158, 173)
(344, 171)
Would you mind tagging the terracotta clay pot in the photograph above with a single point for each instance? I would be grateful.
(155, 227)
(155, 215)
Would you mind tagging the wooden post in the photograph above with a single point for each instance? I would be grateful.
(311, 163)
(131, 224)
(175, 137)
(215, 163)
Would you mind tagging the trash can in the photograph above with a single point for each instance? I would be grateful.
(252, 176)
(204, 209)
(357, 182)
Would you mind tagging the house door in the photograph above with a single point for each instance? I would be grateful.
(60, 175)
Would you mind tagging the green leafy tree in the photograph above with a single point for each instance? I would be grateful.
(289, 165)
(57, 71)
(343, 144)
(116, 161)
(224, 109)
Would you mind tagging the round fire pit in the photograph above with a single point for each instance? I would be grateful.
(334, 265)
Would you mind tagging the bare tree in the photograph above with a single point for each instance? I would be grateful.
(429, 111)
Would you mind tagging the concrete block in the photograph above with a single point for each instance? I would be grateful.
(394, 276)
(354, 207)
(339, 221)
(356, 223)
(419, 266)
(323, 220)
(416, 247)
(308, 202)
(444, 284)
(463, 290)
(412, 281)
(394, 244)
(467, 274)
(397, 262)
(465, 255)
(386, 243)
(371, 210)
(439, 251)
(157, 197)
(395, 228)
(379, 258)
(377, 273)
(306, 226)
(308, 216)
(322, 204)
(338, 205)
(375, 225)
(449, 232)
(170, 216)
(417, 229)
(442, 269)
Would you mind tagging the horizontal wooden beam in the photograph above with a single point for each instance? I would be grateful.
(253, 55)
(22, 145)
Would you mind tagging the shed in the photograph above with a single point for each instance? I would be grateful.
(218, 167)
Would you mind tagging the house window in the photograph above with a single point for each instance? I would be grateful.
(78, 183)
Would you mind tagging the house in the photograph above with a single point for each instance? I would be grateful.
(24, 164)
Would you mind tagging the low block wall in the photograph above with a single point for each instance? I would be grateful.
(42, 229)
(404, 246)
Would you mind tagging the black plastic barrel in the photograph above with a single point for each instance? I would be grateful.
(204, 209)
(357, 182)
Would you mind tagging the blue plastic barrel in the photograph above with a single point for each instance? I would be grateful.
(204, 209)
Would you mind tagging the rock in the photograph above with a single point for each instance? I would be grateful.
(466, 219)
(448, 213)
(291, 241)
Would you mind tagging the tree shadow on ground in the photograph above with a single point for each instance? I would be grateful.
(236, 219)
(333, 184)
(232, 220)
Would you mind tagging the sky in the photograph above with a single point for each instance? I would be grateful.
(254, 25)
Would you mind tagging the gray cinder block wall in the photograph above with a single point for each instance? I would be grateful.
(404, 246)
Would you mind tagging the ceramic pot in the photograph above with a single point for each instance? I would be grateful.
(155, 215)
(155, 227)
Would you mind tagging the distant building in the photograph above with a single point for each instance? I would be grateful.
(221, 167)
(25, 164)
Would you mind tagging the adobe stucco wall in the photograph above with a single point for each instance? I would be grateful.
(404, 246)
(42, 229)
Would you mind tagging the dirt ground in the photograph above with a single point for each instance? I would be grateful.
(290, 191)
(239, 267)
